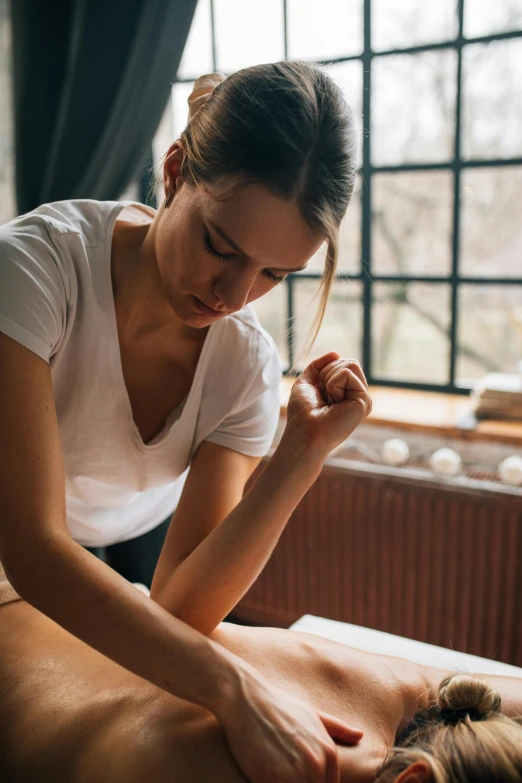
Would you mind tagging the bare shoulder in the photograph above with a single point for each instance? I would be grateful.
(349, 684)
(328, 670)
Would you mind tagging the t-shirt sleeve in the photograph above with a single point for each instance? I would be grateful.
(33, 302)
(251, 426)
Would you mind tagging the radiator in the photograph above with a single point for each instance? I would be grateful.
(427, 559)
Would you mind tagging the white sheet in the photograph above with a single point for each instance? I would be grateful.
(410, 649)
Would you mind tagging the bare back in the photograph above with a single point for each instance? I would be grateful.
(71, 714)
(107, 721)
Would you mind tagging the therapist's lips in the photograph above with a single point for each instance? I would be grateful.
(202, 308)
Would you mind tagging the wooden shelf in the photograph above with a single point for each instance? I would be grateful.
(440, 413)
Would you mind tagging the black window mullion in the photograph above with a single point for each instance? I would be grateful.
(376, 278)
(447, 165)
(290, 332)
(456, 205)
(366, 211)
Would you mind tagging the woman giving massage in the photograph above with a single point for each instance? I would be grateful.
(137, 384)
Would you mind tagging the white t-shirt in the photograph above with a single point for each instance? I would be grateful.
(56, 299)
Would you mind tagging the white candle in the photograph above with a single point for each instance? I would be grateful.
(445, 462)
(510, 470)
(395, 451)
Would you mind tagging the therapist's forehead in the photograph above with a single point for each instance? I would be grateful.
(269, 229)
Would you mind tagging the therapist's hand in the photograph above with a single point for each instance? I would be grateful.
(276, 738)
(328, 401)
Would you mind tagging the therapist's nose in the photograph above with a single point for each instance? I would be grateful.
(234, 288)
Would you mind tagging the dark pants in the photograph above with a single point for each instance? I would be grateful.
(135, 559)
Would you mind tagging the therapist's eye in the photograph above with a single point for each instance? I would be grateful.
(272, 277)
(229, 256)
(212, 250)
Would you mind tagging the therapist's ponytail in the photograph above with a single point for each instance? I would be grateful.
(287, 126)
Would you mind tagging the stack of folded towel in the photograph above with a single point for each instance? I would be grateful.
(499, 396)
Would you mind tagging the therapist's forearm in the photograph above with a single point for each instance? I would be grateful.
(206, 586)
(98, 606)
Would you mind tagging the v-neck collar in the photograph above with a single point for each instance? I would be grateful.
(114, 347)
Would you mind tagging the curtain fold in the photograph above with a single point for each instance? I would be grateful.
(91, 79)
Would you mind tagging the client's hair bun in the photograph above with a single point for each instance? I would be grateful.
(465, 692)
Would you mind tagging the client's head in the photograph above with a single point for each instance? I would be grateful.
(463, 738)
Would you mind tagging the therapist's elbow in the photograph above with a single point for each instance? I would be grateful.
(185, 611)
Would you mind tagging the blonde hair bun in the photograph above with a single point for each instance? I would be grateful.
(466, 692)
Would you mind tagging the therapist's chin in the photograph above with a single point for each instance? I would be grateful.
(189, 313)
(199, 308)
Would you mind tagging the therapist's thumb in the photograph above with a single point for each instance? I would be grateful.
(340, 731)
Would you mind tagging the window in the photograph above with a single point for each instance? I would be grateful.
(429, 290)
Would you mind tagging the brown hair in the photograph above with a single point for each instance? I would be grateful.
(287, 126)
(463, 737)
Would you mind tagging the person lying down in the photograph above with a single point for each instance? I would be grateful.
(71, 715)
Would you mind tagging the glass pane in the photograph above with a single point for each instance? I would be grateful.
(334, 31)
(248, 33)
(342, 324)
(180, 109)
(413, 109)
(350, 234)
(490, 234)
(197, 55)
(489, 331)
(492, 100)
(403, 23)
(349, 77)
(349, 240)
(410, 332)
(272, 311)
(412, 215)
(483, 17)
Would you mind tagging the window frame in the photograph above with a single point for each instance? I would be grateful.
(456, 165)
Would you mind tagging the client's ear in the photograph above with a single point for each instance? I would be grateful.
(418, 772)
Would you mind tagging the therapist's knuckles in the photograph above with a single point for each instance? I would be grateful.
(343, 379)
(334, 367)
(314, 398)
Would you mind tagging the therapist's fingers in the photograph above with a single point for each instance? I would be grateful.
(327, 372)
(339, 730)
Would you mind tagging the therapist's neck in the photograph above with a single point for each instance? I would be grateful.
(143, 309)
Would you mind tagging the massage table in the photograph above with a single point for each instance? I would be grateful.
(386, 643)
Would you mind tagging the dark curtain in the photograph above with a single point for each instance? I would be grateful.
(91, 81)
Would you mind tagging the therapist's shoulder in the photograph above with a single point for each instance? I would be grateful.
(47, 248)
(84, 220)
(31, 257)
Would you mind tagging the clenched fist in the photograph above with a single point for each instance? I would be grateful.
(328, 402)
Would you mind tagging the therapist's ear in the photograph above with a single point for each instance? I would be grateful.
(418, 772)
(171, 170)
